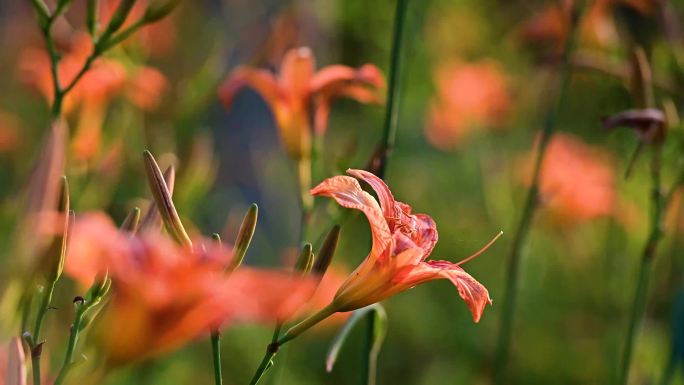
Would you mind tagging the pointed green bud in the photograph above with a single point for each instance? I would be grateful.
(162, 198)
(152, 219)
(92, 9)
(62, 6)
(305, 261)
(56, 253)
(97, 290)
(118, 18)
(327, 251)
(244, 236)
(131, 222)
(42, 13)
(159, 10)
(217, 238)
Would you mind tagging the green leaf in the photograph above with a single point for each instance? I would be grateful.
(377, 316)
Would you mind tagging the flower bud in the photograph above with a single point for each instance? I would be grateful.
(56, 253)
(305, 261)
(97, 290)
(119, 17)
(152, 220)
(244, 236)
(92, 8)
(162, 197)
(42, 12)
(326, 252)
(158, 10)
(131, 222)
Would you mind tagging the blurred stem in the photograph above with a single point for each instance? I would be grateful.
(389, 132)
(71, 347)
(216, 354)
(524, 226)
(45, 300)
(305, 198)
(658, 205)
(370, 358)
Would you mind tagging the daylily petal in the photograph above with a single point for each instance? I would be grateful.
(296, 72)
(473, 292)
(348, 193)
(262, 81)
(332, 79)
(387, 202)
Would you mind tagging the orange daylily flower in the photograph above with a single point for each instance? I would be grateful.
(167, 294)
(12, 363)
(576, 181)
(469, 95)
(298, 88)
(402, 242)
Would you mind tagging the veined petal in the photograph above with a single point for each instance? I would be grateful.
(348, 193)
(473, 292)
(296, 72)
(385, 196)
(332, 79)
(262, 81)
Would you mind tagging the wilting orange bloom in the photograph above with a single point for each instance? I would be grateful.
(469, 96)
(298, 88)
(12, 363)
(576, 181)
(166, 294)
(401, 244)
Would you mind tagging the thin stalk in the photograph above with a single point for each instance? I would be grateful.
(658, 205)
(216, 354)
(278, 341)
(389, 131)
(524, 226)
(46, 299)
(71, 347)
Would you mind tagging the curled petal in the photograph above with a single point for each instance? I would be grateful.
(348, 193)
(385, 196)
(473, 292)
(296, 72)
(261, 81)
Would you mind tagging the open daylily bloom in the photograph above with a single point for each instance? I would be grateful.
(298, 89)
(402, 242)
(166, 294)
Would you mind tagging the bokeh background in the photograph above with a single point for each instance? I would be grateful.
(479, 79)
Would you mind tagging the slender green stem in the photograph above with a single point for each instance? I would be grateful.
(216, 354)
(46, 299)
(658, 205)
(292, 333)
(71, 347)
(389, 131)
(524, 226)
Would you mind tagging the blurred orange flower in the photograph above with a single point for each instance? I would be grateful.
(10, 127)
(104, 81)
(469, 96)
(297, 88)
(576, 181)
(166, 294)
(12, 363)
(550, 25)
(401, 244)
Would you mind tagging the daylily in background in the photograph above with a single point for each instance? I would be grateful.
(108, 79)
(577, 180)
(402, 242)
(167, 295)
(470, 96)
(298, 89)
